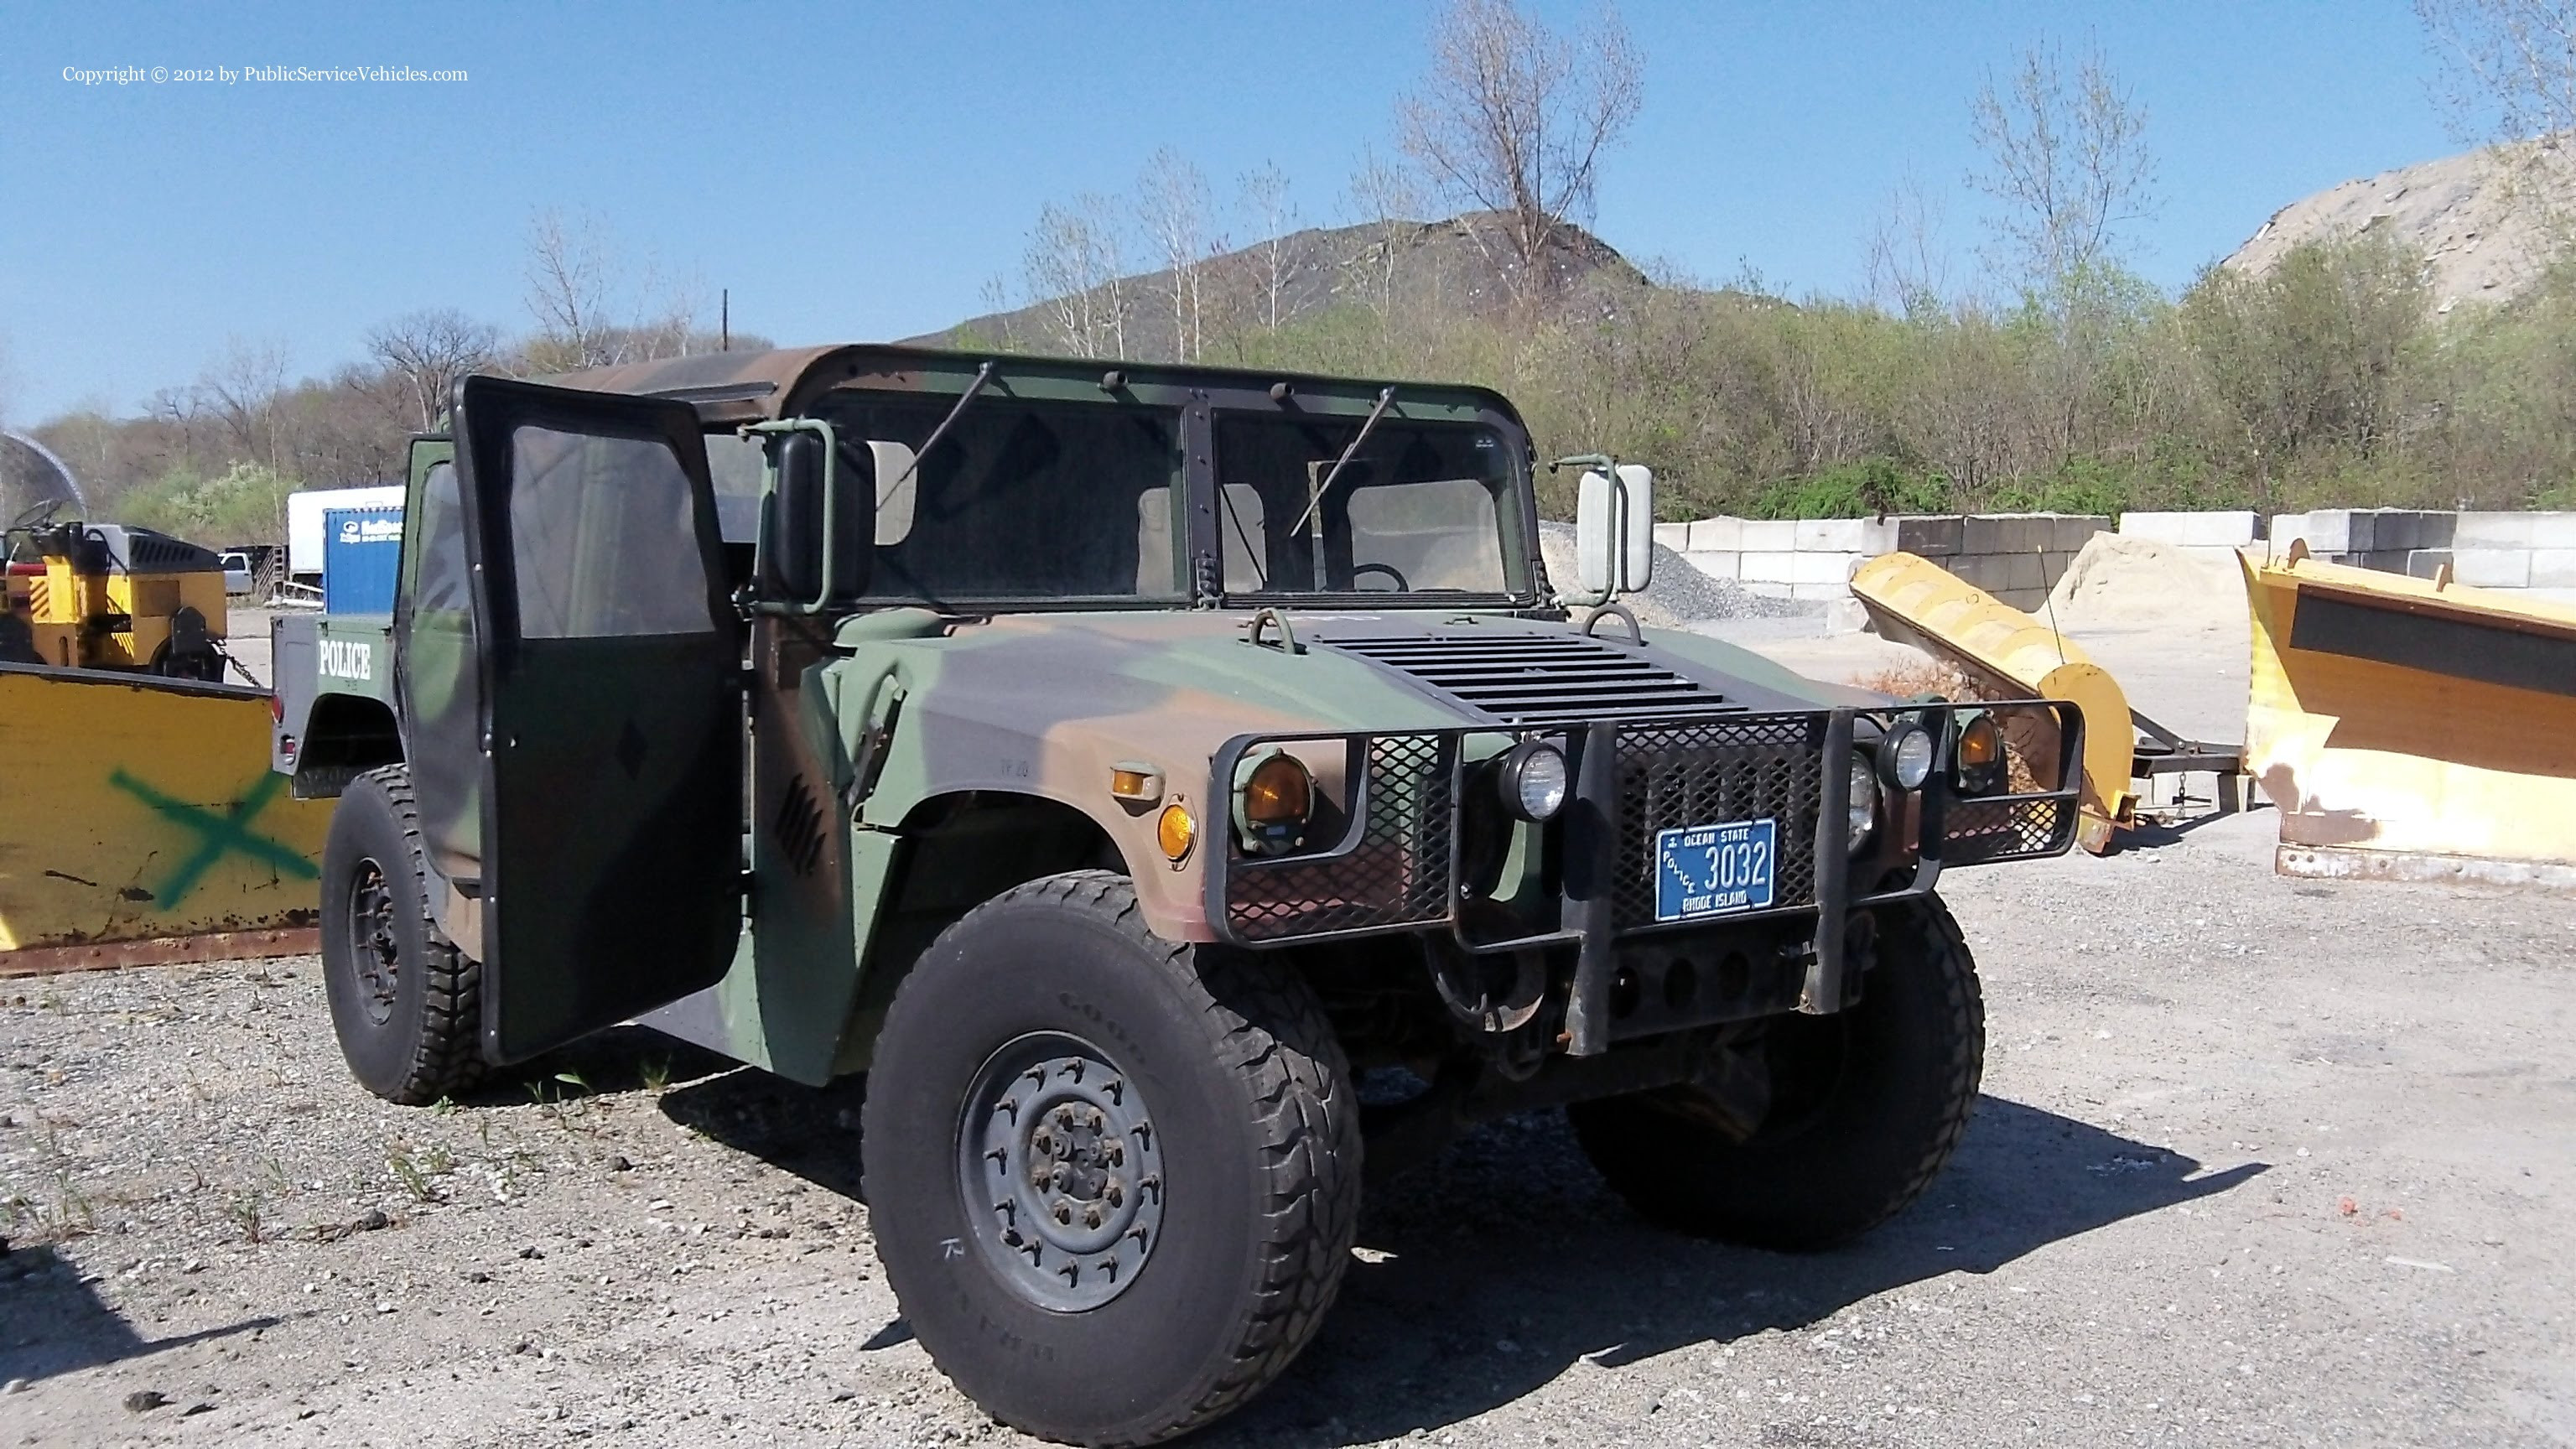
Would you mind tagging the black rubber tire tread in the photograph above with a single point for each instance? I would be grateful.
(1278, 1047)
(445, 1059)
(1913, 1064)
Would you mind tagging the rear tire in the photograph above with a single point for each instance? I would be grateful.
(1867, 1104)
(1014, 1020)
(405, 1001)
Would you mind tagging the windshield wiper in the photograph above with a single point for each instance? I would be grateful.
(1316, 490)
(983, 375)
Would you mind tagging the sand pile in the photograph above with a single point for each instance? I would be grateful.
(2127, 583)
(1681, 593)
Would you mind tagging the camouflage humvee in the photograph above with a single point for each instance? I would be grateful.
(1114, 763)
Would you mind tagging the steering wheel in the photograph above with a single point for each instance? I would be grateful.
(39, 515)
(1401, 587)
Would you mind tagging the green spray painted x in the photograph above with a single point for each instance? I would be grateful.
(223, 834)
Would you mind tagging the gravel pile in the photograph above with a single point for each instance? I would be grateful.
(1681, 593)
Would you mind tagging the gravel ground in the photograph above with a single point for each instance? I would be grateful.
(2259, 1162)
(1681, 593)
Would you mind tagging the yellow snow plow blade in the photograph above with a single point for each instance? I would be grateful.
(140, 821)
(2412, 728)
(1915, 601)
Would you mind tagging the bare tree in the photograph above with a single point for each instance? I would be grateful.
(567, 292)
(2511, 64)
(1000, 306)
(428, 351)
(1076, 262)
(2067, 159)
(1273, 215)
(593, 307)
(1172, 201)
(1513, 119)
(1908, 269)
(1384, 199)
(240, 391)
(2509, 70)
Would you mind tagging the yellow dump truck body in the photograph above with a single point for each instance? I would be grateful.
(2411, 728)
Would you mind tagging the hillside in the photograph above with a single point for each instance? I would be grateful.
(1462, 264)
(2480, 221)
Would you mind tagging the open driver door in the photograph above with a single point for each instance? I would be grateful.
(612, 709)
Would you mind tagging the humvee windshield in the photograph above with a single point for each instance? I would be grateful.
(1421, 508)
(1034, 501)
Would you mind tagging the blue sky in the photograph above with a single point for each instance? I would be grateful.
(862, 171)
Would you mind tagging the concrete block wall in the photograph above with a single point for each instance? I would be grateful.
(2015, 556)
(2486, 550)
(2018, 557)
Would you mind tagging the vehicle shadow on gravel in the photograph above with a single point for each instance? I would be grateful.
(620, 1059)
(1489, 1273)
(53, 1323)
(1508, 1261)
(812, 1132)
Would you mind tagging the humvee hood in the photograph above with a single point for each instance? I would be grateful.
(1173, 687)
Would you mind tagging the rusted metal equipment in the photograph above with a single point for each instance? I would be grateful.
(2412, 728)
(2009, 653)
(142, 822)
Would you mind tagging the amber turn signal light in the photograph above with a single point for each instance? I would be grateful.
(1176, 832)
(1981, 755)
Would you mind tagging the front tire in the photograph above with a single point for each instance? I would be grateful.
(405, 1001)
(1866, 1106)
(1053, 1080)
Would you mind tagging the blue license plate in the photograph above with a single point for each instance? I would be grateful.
(1711, 870)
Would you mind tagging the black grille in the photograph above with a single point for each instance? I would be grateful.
(1710, 772)
(1541, 679)
(1977, 832)
(1395, 876)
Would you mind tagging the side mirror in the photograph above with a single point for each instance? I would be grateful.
(1614, 529)
(817, 524)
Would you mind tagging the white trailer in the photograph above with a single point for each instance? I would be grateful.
(304, 521)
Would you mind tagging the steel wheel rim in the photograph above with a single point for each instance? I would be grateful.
(374, 952)
(1060, 1172)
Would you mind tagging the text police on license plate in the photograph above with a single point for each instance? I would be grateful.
(1708, 870)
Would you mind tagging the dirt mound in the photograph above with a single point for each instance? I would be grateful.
(1681, 593)
(2481, 222)
(2124, 582)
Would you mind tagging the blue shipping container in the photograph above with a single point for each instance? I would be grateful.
(361, 548)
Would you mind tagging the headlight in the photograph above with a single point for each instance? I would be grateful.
(1532, 778)
(1981, 755)
(1905, 756)
(1864, 800)
(1273, 798)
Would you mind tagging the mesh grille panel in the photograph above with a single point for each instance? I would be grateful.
(1709, 772)
(1979, 831)
(1395, 877)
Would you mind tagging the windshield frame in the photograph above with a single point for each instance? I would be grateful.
(1197, 394)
